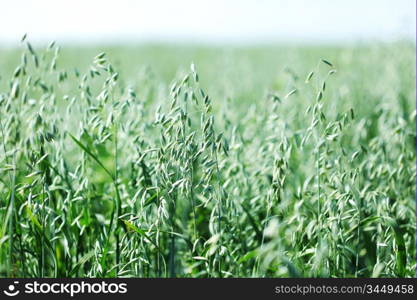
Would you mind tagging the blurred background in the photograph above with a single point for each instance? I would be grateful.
(242, 48)
(207, 21)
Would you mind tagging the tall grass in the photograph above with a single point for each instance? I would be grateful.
(245, 168)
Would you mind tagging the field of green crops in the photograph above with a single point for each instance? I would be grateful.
(208, 161)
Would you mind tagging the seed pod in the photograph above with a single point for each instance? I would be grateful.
(309, 76)
(327, 62)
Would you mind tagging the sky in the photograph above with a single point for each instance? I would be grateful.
(206, 21)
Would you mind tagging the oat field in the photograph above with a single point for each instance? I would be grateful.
(205, 161)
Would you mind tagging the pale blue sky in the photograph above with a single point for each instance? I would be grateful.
(206, 20)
